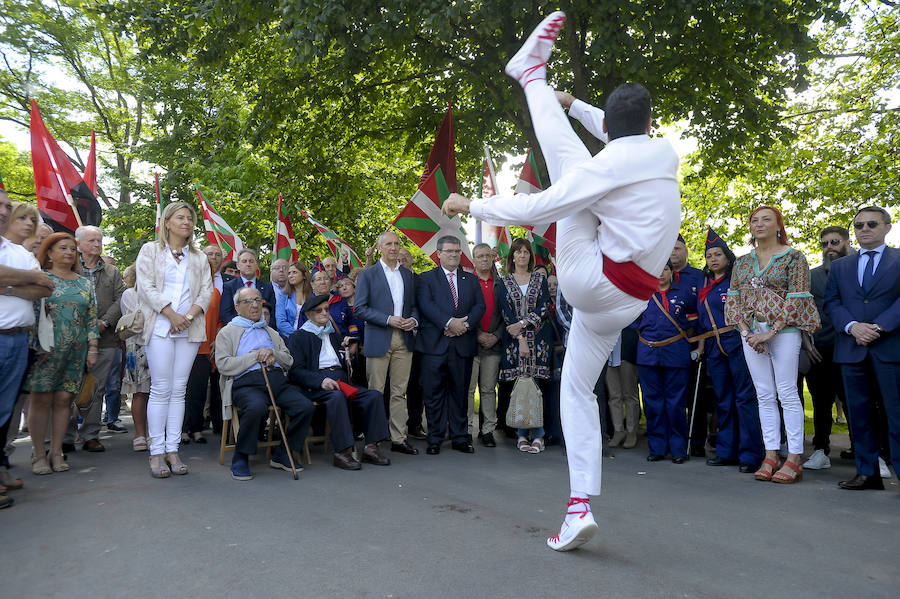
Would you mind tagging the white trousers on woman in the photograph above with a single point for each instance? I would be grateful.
(775, 379)
(170, 361)
(601, 309)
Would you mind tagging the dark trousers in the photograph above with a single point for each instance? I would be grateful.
(445, 383)
(664, 390)
(504, 393)
(740, 434)
(863, 381)
(366, 407)
(251, 399)
(195, 394)
(825, 383)
(415, 403)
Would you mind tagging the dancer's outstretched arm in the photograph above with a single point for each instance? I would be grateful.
(589, 116)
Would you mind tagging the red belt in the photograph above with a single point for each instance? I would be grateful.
(630, 278)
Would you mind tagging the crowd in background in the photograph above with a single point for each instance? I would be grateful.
(382, 357)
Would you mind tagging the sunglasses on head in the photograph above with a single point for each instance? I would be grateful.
(868, 223)
(832, 242)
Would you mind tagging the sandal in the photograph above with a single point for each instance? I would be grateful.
(158, 467)
(198, 438)
(785, 477)
(58, 463)
(40, 466)
(139, 444)
(178, 467)
(537, 446)
(523, 445)
(765, 474)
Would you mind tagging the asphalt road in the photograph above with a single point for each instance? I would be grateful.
(451, 525)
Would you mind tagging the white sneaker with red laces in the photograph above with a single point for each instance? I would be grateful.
(578, 531)
(530, 62)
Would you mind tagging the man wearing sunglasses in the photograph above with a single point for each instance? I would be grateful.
(824, 378)
(862, 297)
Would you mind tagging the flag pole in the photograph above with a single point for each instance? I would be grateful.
(215, 233)
(277, 220)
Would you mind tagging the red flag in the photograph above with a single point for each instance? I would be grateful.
(443, 153)
(58, 185)
(90, 169)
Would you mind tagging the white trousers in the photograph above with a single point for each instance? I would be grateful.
(170, 361)
(601, 310)
(775, 379)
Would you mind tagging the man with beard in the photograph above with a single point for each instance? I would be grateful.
(824, 377)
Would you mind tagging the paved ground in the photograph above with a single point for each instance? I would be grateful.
(451, 525)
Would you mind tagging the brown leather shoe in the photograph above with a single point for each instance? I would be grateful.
(372, 455)
(93, 445)
(344, 460)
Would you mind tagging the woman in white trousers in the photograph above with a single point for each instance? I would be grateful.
(174, 290)
(769, 301)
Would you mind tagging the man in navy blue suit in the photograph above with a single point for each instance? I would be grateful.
(247, 266)
(451, 305)
(863, 299)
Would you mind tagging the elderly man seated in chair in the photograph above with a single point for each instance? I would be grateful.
(243, 348)
(319, 371)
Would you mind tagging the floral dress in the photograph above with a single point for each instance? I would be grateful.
(534, 308)
(136, 377)
(73, 310)
(776, 295)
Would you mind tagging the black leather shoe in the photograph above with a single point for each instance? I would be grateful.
(417, 432)
(488, 440)
(404, 447)
(344, 460)
(372, 455)
(655, 457)
(463, 446)
(698, 452)
(717, 461)
(433, 449)
(861, 483)
(749, 468)
(848, 454)
(680, 459)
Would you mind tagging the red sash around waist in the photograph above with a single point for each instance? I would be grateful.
(630, 278)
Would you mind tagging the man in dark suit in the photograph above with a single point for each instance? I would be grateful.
(451, 304)
(863, 299)
(385, 299)
(247, 266)
(318, 370)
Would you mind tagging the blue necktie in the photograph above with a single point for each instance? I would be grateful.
(869, 272)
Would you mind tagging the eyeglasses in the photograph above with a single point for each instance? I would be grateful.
(858, 225)
(322, 310)
(255, 300)
(831, 242)
(452, 251)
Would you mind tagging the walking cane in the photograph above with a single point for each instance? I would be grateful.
(694, 405)
(280, 425)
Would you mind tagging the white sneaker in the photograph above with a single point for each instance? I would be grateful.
(530, 62)
(578, 532)
(817, 461)
(883, 469)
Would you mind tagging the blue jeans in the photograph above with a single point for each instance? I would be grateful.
(13, 358)
(535, 432)
(113, 398)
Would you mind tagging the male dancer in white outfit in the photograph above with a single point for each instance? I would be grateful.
(617, 216)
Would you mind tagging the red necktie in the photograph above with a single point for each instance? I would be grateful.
(453, 290)
(249, 283)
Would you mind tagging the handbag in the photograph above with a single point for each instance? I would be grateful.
(45, 329)
(526, 405)
(83, 399)
(130, 324)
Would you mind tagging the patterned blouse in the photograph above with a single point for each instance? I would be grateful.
(776, 295)
(532, 307)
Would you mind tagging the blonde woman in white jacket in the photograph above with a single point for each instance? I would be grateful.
(174, 290)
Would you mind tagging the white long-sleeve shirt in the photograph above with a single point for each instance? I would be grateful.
(631, 186)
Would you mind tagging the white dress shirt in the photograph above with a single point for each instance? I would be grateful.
(327, 356)
(177, 290)
(14, 311)
(395, 284)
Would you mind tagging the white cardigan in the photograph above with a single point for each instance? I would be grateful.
(151, 273)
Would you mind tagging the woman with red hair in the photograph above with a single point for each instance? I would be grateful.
(56, 375)
(769, 301)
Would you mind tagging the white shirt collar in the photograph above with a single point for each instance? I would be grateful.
(879, 249)
(388, 268)
(448, 272)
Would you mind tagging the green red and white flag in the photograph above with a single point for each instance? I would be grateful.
(542, 236)
(423, 223)
(493, 235)
(285, 244)
(2, 186)
(336, 245)
(218, 232)
(158, 204)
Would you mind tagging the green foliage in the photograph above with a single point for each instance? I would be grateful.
(15, 167)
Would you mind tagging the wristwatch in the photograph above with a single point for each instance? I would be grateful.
(745, 333)
(9, 290)
(190, 317)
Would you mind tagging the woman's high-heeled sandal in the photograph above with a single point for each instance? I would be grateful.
(178, 467)
(158, 467)
(58, 463)
(785, 477)
(766, 475)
